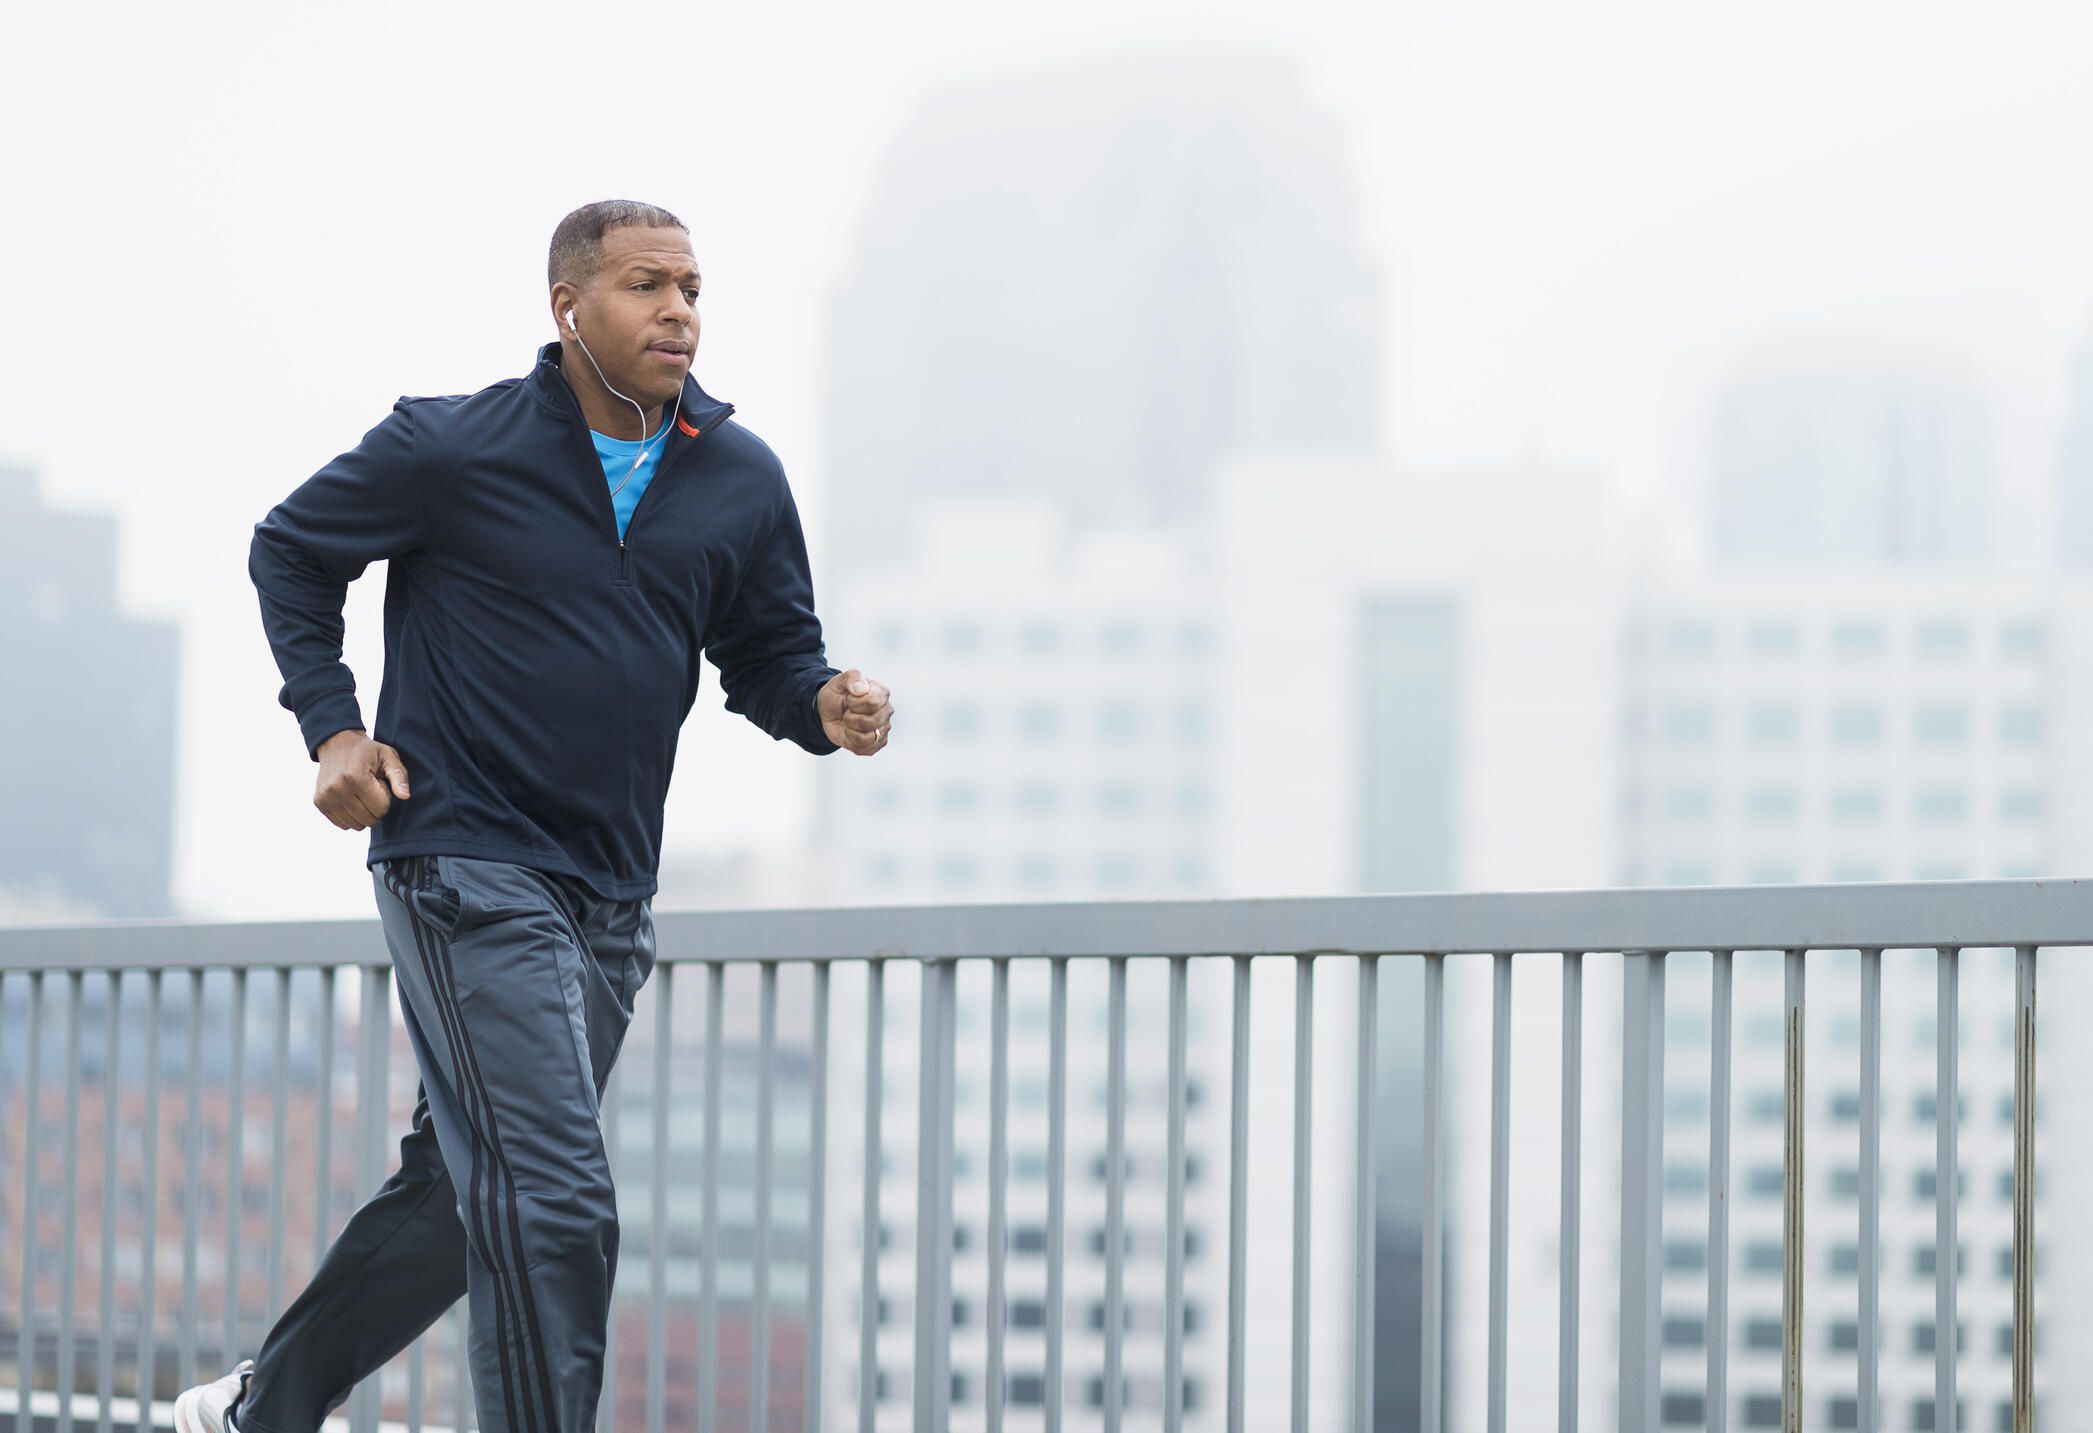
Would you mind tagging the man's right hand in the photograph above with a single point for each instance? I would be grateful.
(358, 779)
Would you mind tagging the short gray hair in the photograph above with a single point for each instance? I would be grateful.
(577, 245)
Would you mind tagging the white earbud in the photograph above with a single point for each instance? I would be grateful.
(646, 443)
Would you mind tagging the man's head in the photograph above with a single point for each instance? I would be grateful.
(624, 282)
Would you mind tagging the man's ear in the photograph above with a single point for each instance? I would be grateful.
(563, 296)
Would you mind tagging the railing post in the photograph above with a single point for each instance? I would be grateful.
(1642, 1159)
(1947, 1114)
(1791, 1205)
(1432, 1206)
(1722, 965)
(1572, 1179)
(1500, 1178)
(1870, 1189)
(934, 1200)
(2024, 1190)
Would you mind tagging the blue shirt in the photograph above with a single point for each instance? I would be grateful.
(617, 455)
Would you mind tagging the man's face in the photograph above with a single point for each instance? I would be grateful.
(638, 314)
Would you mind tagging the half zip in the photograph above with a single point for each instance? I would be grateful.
(622, 573)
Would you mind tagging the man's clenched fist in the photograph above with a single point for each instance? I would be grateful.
(358, 779)
(855, 712)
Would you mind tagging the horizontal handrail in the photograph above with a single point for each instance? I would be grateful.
(1883, 916)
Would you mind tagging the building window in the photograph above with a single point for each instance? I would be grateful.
(960, 721)
(2020, 726)
(1118, 722)
(1689, 804)
(1763, 1410)
(1689, 725)
(2020, 806)
(1039, 722)
(1856, 805)
(1857, 637)
(1856, 726)
(1685, 1331)
(1939, 805)
(1773, 805)
(1038, 638)
(1683, 1408)
(962, 639)
(1119, 638)
(1689, 640)
(958, 797)
(1942, 726)
(1773, 637)
(1943, 637)
(1036, 798)
(1773, 726)
(2020, 638)
(1118, 798)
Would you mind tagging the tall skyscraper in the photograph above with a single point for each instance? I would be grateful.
(1090, 282)
(1836, 460)
(87, 729)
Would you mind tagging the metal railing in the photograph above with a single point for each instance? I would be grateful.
(1644, 926)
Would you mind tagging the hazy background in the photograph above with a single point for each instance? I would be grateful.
(236, 233)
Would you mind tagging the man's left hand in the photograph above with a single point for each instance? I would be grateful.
(855, 712)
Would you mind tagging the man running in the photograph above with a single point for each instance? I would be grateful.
(562, 547)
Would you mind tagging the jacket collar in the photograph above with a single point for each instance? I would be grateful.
(701, 411)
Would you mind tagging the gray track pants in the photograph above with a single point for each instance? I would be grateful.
(517, 986)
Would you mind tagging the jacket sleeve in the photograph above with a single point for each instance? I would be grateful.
(364, 506)
(767, 644)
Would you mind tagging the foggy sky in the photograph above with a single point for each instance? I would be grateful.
(236, 233)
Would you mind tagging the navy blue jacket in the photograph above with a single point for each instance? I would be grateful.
(537, 668)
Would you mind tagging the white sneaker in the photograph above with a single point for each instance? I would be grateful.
(202, 1408)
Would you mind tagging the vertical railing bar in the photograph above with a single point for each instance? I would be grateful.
(1174, 1209)
(1572, 1218)
(112, 1086)
(279, 1133)
(994, 1317)
(1304, 1153)
(69, 1244)
(948, 1102)
(869, 1239)
(417, 1376)
(32, 1160)
(148, 1233)
(613, 1140)
(461, 1373)
(1642, 1146)
(1721, 1023)
(1947, 1101)
(1365, 1243)
(323, 1084)
(192, 1189)
(2024, 1190)
(1870, 1189)
(933, 1385)
(658, 1201)
(1057, 1179)
(766, 1096)
(363, 1404)
(236, 1165)
(1500, 1173)
(1238, 1189)
(1115, 1195)
(1432, 1213)
(708, 1286)
(379, 979)
(1791, 1201)
(817, 1200)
